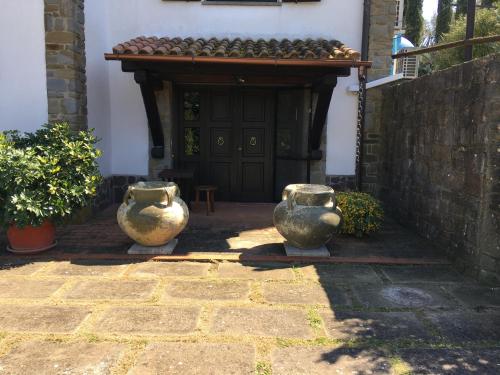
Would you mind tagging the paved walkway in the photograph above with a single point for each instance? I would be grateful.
(228, 318)
(240, 228)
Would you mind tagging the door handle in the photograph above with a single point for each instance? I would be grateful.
(240, 148)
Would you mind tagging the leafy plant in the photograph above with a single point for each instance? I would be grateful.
(47, 174)
(487, 23)
(362, 214)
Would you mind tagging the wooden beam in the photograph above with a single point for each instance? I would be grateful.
(241, 61)
(148, 85)
(235, 79)
(438, 47)
(169, 68)
(324, 98)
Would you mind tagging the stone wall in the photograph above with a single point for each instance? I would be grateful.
(439, 160)
(371, 140)
(341, 182)
(65, 57)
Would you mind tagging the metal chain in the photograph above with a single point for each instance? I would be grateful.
(360, 123)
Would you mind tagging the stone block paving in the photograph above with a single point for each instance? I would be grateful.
(111, 289)
(196, 358)
(208, 290)
(262, 322)
(326, 361)
(111, 317)
(148, 320)
(42, 357)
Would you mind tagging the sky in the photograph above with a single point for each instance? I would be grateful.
(430, 7)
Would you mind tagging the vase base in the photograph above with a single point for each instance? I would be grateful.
(166, 249)
(31, 251)
(293, 251)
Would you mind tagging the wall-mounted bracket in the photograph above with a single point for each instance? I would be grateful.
(149, 84)
(324, 92)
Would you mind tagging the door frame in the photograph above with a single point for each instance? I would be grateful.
(178, 123)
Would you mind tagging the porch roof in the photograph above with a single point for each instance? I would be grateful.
(308, 52)
(314, 63)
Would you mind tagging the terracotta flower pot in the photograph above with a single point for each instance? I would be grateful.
(29, 240)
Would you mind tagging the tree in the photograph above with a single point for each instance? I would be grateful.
(461, 9)
(414, 20)
(489, 3)
(487, 24)
(444, 15)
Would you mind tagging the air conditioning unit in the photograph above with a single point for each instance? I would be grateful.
(407, 66)
(398, 24)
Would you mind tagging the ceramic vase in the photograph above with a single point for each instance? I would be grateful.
(152, 213)
(308, 215)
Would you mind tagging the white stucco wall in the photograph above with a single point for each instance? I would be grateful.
(128, 132)
(98, 98)
(23, 87)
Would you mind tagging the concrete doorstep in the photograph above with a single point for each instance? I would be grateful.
(293, 251)
(166, 249)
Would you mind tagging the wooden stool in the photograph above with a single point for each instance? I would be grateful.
(210, 195)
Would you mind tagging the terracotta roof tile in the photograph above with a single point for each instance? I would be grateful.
(282, 49)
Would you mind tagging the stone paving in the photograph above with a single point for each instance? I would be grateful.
(106, 317)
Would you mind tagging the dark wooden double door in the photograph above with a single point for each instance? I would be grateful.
(226, 136)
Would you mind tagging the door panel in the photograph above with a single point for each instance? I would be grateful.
(220, 108)
(254, 107)
(253, 142)
(221, 142)
(228, 134)
(255, 133)
(252, 178)
(291, 138)
(220, 175)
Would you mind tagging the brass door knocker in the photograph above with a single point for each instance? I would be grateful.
(253, 141)
(220, 141)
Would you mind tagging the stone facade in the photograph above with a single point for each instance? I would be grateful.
(165, 101)
(341, 182)
(318, 167)
(383, 16)
(382, 19)
(439, 161)
(104, 196)
(111, 191)
(65, 57)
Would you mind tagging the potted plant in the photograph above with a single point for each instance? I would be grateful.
(44, 177)
(362, 213)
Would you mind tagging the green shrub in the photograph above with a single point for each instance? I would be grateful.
(47, 174)
(362, 214)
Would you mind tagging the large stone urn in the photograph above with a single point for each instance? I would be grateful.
(152, 213)
(308, 215)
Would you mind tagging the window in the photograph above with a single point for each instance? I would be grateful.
(192, 106)
(241, 2)
(398, 24)
(191, 141)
